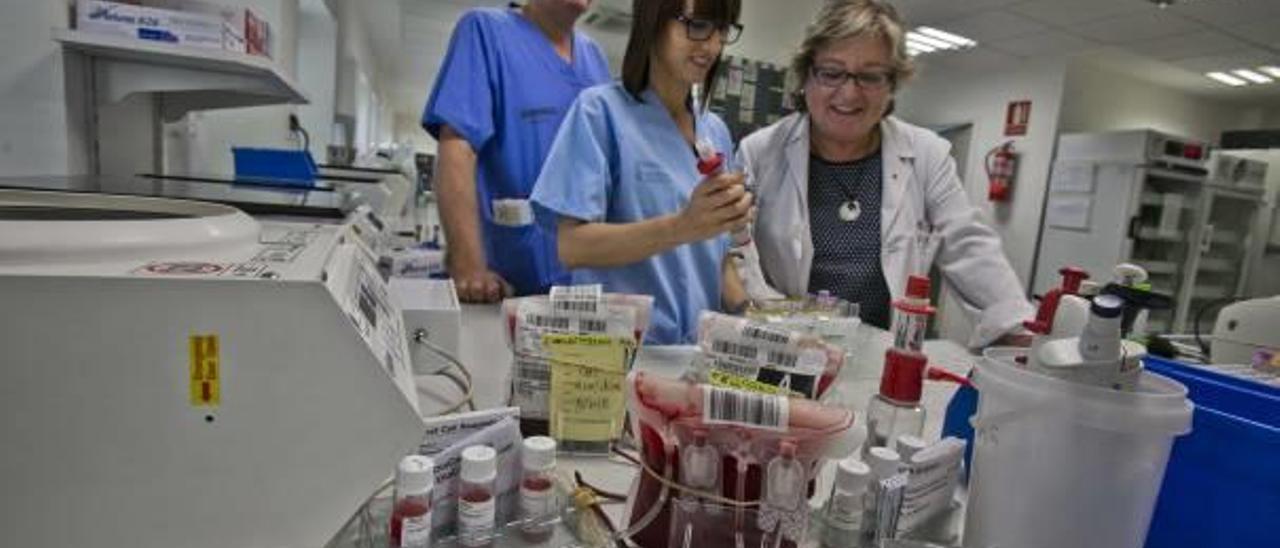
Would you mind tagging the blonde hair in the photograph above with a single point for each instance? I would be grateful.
(842, 19)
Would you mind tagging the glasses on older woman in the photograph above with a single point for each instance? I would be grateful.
(869, 80)
(700, 30)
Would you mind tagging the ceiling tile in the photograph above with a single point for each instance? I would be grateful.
(1065, 13)
(1046, 44)
(935, 12)
(1263, 32)
(1195, 44)
(972, 61)
(1228, 12)
(1136, 27)
(1244, 58)
(994, 25)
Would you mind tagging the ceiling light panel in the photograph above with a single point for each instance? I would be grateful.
(1227, 79)
(1253, 76)
(946, 37)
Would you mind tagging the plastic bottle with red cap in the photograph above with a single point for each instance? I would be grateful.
(1072, 277)
(896, 410)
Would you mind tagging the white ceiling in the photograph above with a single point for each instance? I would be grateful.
(1172, 46)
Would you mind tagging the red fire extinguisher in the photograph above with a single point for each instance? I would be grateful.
(1001, 164)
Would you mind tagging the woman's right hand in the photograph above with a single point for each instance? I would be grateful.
(719, 204)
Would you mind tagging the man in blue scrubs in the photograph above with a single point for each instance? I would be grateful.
(503, 89)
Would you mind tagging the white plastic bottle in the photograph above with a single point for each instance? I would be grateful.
(538, 503)
(885, 463)
(1100, 341)
(411, 512)
(845, 509)
(477, 501)
(907, 446)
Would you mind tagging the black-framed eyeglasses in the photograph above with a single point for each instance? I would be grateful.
(700, 30)
(870, 80)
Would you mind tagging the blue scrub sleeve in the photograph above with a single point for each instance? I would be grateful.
(577, 177)
(463, 95)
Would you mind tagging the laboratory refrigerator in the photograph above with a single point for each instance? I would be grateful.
(1151, 199)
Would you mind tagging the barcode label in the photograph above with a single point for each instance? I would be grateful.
(766, 334)
(577, 299)
(547, 322)
(534, 372)
(577, 307)
(725, 406)
(736, 350)
(785, 360)
(575, 291)
(592, 325)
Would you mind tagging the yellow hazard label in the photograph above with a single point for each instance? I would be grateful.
(206, 376)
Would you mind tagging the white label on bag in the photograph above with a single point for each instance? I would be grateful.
(724, 406)
(476, 520)
(415, 532)
(766, 334)
(577, 299)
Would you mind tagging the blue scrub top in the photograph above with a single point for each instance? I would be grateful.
(504, 89)
(621, 160)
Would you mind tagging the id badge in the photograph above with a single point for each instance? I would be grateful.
(512, 212)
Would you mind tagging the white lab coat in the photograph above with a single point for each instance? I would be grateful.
(925, 218)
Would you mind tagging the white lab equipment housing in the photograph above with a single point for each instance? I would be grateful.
(177, 374)
(1245, 328)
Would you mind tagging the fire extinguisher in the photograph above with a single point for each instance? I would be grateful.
(1001, 164)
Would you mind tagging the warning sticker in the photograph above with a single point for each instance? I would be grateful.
(182, 268)
(205, 373)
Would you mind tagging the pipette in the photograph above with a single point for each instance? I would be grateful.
(711, 161)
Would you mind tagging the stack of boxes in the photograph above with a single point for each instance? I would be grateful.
(193, 23)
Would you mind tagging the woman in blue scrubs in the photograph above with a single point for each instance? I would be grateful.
(621, 181)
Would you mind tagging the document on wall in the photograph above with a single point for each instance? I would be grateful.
(1073, 178)
(1069, 210)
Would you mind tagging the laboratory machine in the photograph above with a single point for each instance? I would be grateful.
(177, 373)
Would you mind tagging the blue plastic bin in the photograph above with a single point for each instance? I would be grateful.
(1222, 486)
(274, 166)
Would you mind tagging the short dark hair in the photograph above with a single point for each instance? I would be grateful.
(649, 19)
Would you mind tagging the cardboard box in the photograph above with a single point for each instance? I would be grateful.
(154, 24)
(247, 31)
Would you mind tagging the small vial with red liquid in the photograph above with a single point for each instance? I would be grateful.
(539, 505)
(477, 501)
(410, 525)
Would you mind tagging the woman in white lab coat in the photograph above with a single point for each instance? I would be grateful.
(853, 200)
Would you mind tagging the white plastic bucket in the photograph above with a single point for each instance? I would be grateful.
(1063, 465)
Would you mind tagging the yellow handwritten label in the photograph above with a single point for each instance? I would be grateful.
(206, 375)
(729, 380)
(587, 372)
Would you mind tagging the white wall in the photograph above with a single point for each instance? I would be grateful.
(39, 134)
(773, 29)
(201, 143)
(939, 98)
(317, 72)
(1271, 119)
(1098, 99)
(942, 98)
